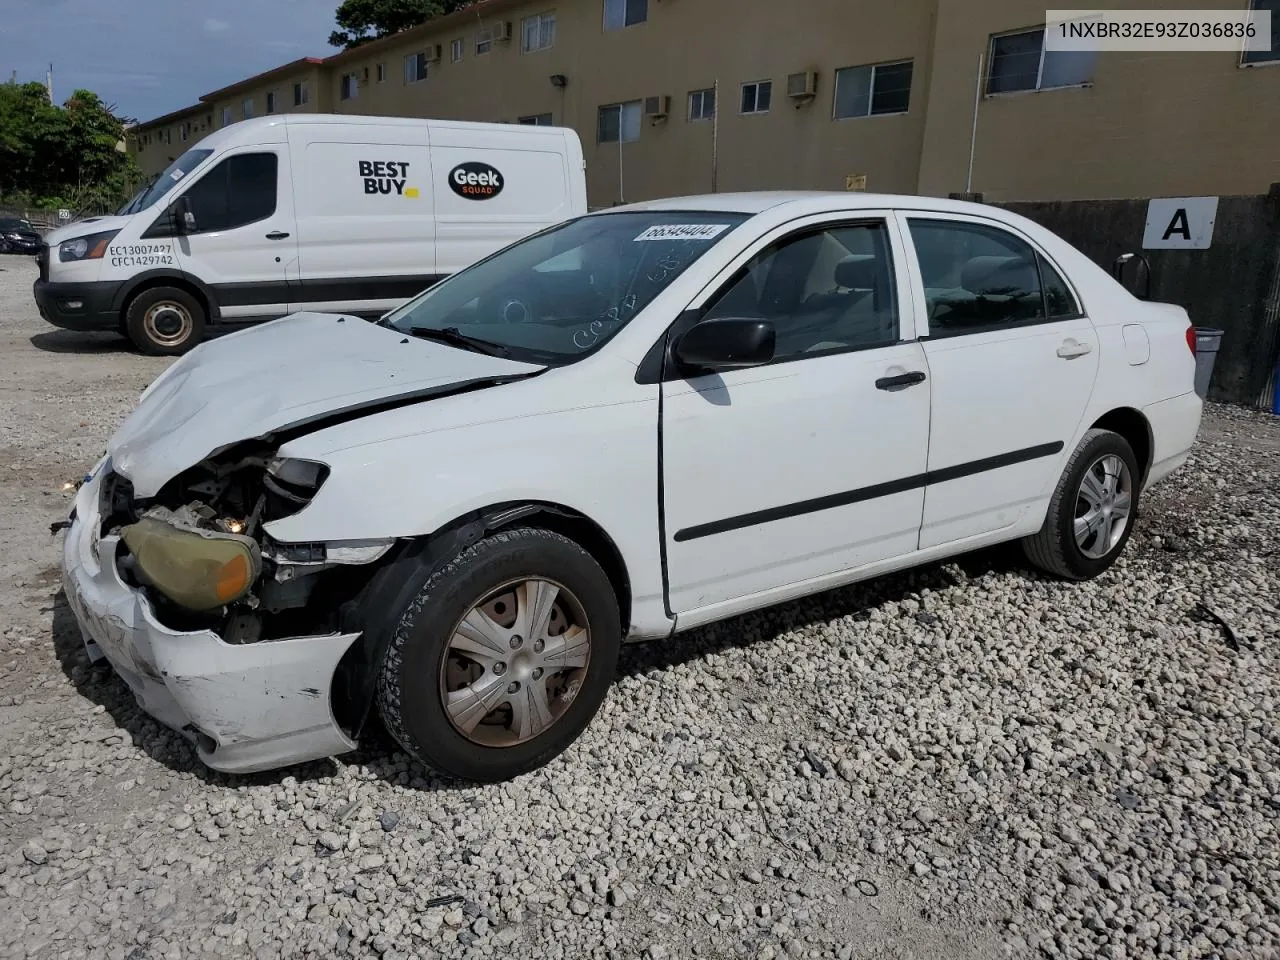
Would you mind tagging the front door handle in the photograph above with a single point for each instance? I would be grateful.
(1071, 349)
(901, 381)
(277, 235)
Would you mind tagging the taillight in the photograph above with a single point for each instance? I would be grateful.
(1191, 340)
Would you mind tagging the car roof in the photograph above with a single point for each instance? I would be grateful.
(800, 203)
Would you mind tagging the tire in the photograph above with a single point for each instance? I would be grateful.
(1057, 549)
(165, 321)
(423, 663)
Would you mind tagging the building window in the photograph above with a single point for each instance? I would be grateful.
(301, 93)
(874, 90)
(415, 67)
(625, 13)
(1272, 55)
(168, 135)
(226, 117)
(757, 96)
(455, 50)
(184, 132)
(539, 32)
(484, 43)
(246, 109)
(702, 104)
(1019, 61)
(350, 88)
(536, 120)
(271, 101)
(619, 122)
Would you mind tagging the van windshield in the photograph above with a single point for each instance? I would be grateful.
(148, 195)
(561, 294)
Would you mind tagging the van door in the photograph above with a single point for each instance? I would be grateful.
(496, 185)
(366, 216)
(242, 244)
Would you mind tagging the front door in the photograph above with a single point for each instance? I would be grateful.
(243, 246)
(1012, 360)
(813, 464)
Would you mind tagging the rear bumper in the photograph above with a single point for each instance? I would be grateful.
(79, 306)
(1174, 426)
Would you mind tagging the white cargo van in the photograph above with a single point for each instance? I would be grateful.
(323, 213)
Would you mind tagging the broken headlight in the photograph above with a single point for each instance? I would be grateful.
(196, 569)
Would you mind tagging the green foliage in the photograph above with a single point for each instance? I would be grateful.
(61, 156)
(364, 20)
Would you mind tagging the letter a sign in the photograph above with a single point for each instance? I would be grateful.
(1180, 223)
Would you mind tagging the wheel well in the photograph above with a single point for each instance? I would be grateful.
(579, 528)
(176, 282)
(1133, 426)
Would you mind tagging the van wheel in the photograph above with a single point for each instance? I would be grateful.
(164, 321)
(1092, 511)
(503, 657)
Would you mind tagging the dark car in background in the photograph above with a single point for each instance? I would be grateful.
(19, 236)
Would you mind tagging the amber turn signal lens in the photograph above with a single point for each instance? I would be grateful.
(234, 579)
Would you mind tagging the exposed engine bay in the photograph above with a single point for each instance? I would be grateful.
(200, 551)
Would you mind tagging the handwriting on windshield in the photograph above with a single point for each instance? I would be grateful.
(588, 338)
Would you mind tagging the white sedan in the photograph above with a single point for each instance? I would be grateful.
(634, 423)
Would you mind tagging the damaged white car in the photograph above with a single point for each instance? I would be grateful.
(638, 421)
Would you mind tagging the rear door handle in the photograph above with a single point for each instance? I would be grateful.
(901, 381)
(277, 235)
(1071, 349)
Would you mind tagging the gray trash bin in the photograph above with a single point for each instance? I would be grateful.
(1207, 342)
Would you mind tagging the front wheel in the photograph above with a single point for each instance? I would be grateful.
(164, 321)
(1092, 510)
(503, 656)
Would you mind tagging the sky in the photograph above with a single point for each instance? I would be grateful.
(150, 57)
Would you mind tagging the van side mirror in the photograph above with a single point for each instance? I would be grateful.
(184, 219)
(726, 344)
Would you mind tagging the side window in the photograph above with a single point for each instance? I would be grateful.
(978, 278)
(1058, 301)
(825, 291)
(238, 191)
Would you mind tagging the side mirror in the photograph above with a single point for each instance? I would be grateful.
(184, 219)
(726, 344)
(1122, 261)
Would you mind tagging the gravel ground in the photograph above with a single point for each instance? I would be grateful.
(966, 761)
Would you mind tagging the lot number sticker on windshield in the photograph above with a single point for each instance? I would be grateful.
(684, 231)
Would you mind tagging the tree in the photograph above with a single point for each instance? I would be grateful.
(62, 156)
(364, 20)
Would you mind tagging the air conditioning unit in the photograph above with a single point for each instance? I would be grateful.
(434, 53)
(502, 32)
(801, 86)
(657, 108)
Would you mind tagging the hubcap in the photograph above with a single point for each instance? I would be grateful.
(515, 663)
(1103, 506)
(167, 323)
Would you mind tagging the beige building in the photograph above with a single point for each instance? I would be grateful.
(674, 97)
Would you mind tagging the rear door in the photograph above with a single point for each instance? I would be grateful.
(366, 216)
(1012, 363)
(243, 245)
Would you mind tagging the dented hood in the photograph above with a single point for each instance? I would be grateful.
(282, 375)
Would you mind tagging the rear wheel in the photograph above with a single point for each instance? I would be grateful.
(165, 321)
(1092, 510)
(503, 657)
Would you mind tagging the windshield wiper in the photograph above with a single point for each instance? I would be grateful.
(454, 337)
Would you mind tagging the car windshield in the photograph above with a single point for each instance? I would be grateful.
(148, 195)
(10, 223)
(561, 294)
